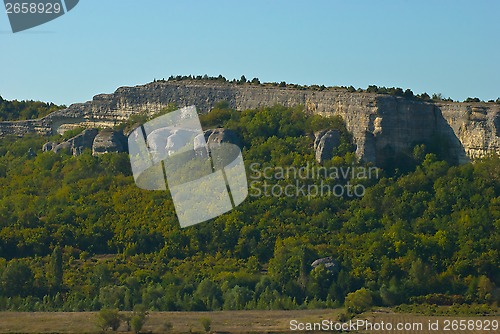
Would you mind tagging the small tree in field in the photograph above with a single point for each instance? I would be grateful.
(109, 319)
(206, 323)
(359, 301)
(138, 318)
(137, 322)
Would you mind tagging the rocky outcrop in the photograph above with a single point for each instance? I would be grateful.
(328, 262)
(109, 141)
(75, 145)
(325, 143)
(381, 125)
(105, 141)
(475, 126)
(221, 135)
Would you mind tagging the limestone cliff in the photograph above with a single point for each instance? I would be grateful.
(380, 124)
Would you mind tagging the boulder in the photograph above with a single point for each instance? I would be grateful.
(221, 135)
(328, 262)
(109, 141)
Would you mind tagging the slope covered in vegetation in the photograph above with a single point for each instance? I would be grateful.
(77, 234)
(21, 110)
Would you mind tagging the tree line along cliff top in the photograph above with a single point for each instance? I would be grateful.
(395, 91)
(28, 109)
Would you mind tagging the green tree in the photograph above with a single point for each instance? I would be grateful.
(17, 279)
(56, 269)
(237, 298)
(138, 319)
(408, 94)
(472, 99)
(112, 296)
(485, 289)
(320, 282)
(437, 97)
(359, 301)
(107, 318)
(209, 293)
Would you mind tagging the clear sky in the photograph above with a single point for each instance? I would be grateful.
(450, 47)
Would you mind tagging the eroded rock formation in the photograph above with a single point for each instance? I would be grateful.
(109, 141)
(324, 144)
(75, 145)
(105, 141)
(380, 124)
(221, 135)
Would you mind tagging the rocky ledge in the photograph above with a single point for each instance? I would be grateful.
(381, 125)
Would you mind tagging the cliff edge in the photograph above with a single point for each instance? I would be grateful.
(382, 125)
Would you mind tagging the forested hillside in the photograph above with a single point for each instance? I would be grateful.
(77, 234)
(21, 110)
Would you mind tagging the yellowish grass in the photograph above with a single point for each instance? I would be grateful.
(223, 321)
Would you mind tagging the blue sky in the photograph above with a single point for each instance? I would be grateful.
(449, 47)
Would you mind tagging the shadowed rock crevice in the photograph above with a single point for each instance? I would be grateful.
(325, 143)
(401, 124)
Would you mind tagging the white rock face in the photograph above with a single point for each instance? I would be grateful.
(378, 123)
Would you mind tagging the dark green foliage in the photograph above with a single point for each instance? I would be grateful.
(17, 279)
(396, 91)
(255, 81)
(209, 293)
(424, 97)
(109, 319)
(219, 116)
(56, 269)
(437, 97)
(472, 99)
(20, 110)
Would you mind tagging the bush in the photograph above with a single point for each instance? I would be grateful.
(137, 322)
(138, 318)
(167, 326)
(344, 317)
(109, 319)
(206, 323)
(438, 299)
(472, 99)
(359, 301)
